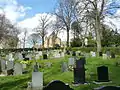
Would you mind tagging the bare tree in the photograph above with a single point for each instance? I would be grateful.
(65, 13)
(42, 28)
(33, 39)
(24, 37)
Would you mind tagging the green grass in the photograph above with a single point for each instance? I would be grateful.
(54, 73)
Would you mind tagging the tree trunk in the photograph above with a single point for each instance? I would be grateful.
(67, 37)
(42, 42)
(98, 38)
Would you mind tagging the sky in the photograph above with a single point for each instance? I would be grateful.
(27, 12)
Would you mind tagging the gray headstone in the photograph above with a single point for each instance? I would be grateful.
(71, 61)
(3, 65)
(37, 80)
(10, 65)
(18, 69)
(64, 67)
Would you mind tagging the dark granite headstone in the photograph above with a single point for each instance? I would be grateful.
(79, 75)
(102, 74)
(80, 63)
(73, 53)
(44, 56)
(100, 53)
(108, 88)
(112, 55)
(57, 85)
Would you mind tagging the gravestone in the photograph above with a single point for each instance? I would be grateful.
(57, 85)
(10, 65)
(44, 56)
(73, 53)
(10, 56)
(100, 53)
(108, 53)
(112, 55)
(104, 56)
(18, 69)
(79, 75)
(102, 73)
(108, 88)
(37, 80)
(64, 67)
(36, 67)
(3, 65)
(81, 62)
(24, 66)
(71, 61)
(93, 54)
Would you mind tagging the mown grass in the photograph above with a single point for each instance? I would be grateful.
(55, 73)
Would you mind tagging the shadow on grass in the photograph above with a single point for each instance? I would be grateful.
(21, 83)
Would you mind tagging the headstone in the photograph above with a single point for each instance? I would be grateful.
(108, 88)
(20, 57)
(100, 53)
(108, 53)
(71, 61)
(3, 65)
(36, 67)
(102, 73)
(93, 54)
(18, 69)
(10, 65)
(37, 80)
(74, 53)
(112, 55)
(44, 56)
(104, 56)
(79, 75)
(80, 63)
(64, 67)
(57, 85)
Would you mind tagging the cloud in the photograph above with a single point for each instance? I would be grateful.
(13, 10)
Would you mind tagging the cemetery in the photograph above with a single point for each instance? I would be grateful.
(78, 72)
(59, 44)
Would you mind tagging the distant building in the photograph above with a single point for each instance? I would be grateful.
(51, 41)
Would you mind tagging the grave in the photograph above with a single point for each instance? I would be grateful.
(102, 73)
(35, 69)
(48, 64)
(10, 65)
(57, 85)
(80, 63)
(64, 67)
(37, 80)
(112, 55)
(3, 65)
(71, 61)
(18, 69)
(79, 75)
(73, 53)
(44, 56)
(108, 88)
(100, 54)
(104, 56)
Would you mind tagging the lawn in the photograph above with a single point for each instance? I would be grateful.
(54, 73)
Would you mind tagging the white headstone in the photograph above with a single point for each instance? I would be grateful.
(71, 61)
(93, 54)
(37, 80)
(64, 67)
(104, 56)
(18, 69)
